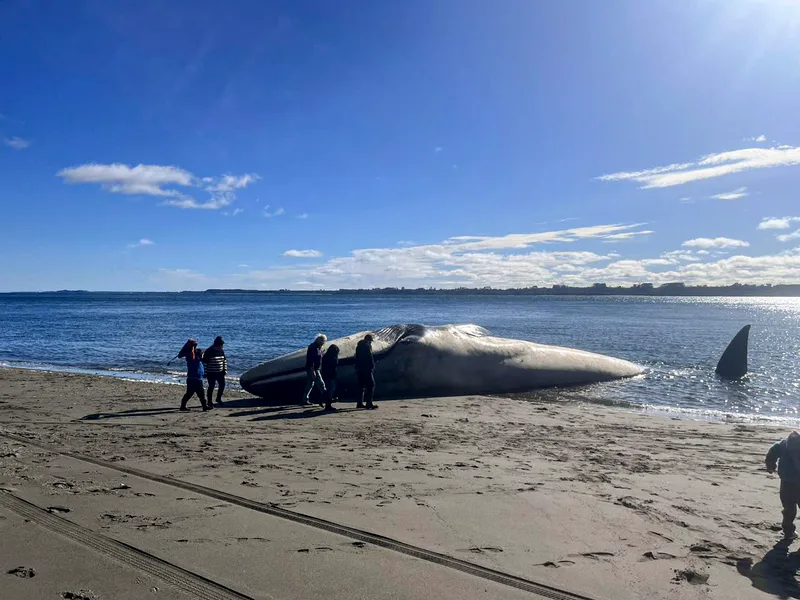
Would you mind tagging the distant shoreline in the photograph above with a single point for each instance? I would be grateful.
(639, 290)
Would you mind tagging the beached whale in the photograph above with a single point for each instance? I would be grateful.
(416, 361)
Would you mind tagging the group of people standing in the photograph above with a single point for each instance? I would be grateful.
(321, 370)
(212, 363)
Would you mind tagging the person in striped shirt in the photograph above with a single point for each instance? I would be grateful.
(216, 368)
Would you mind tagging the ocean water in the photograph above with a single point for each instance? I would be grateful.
(678, 340)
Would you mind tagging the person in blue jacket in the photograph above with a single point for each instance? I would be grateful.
(194, 374)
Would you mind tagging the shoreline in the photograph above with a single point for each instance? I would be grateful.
(552, 395)
(608, 503)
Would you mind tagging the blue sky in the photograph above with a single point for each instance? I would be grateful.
(195, 144)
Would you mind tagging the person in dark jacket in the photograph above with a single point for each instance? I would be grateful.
(785, 456)
(194, 374)
(313, 365)
(365, 365)
(330, 360)
(216, 365)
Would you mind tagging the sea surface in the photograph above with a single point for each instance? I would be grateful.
(678, 340)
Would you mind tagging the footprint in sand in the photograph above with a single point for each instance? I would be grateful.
(481, 550)
(556, 564)
(657, 556)
(57, 510)
(594, 555)
(79, 595)
(690, 575)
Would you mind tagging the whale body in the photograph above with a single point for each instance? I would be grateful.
(415, 361)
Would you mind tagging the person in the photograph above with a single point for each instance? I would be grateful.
(216, 367)
(194, 374)
(365, 365)
(313, 364)
(330, 360)
(785, 456)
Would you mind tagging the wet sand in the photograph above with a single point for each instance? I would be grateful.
(593, 500)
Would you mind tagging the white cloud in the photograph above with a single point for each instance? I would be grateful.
(760, 138)
(141, 243)
(623, 237)
(687, 200)
(277, 213)
(502, 262)
(237, 211)
(228, 183)
(710, 166)
(17, 143)
(214, 204)
(716, 243)
(438, 149)
(410, 267)
(777, 222)
(788, 237)
(302, 216)
(302, 254)
(153, 180)
(682, 256)
(122, 179)
(734, 195)
(523, 240)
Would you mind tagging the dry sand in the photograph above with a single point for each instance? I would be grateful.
(597, 501)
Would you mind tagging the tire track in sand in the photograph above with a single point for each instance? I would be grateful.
(538, 589)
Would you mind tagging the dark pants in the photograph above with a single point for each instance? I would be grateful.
(790, 498)
(330, 391)
(215, 379)
(194, 386)
(366, 384)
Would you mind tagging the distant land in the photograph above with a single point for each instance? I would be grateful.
(598, 289)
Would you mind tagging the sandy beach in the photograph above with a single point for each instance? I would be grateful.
(596, 501)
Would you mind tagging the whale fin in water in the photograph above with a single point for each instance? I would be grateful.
(733, 364)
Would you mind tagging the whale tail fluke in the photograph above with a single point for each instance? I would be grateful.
(733, 364)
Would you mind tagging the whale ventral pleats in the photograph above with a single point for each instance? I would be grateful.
(733, 364)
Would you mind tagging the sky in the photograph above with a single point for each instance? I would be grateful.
(301, 144)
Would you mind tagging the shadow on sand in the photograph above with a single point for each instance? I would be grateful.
(262, 410)
(776, 573)
(308, 413)
(138, 412)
